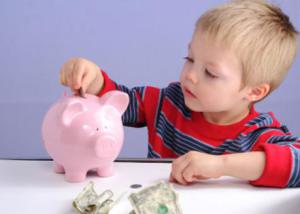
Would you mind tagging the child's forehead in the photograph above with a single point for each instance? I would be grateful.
(205, 45)
(215, 55)
(203, 38)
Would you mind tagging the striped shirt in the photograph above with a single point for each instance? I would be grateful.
(174, 130)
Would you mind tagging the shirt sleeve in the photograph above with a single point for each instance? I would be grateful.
(282, 151)
(143, 102)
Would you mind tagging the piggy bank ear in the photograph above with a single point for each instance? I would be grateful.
(118, 99)
(71, 110)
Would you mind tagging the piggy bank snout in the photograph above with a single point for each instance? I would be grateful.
(107, 146)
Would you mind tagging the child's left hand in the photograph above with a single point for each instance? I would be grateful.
(194, 166)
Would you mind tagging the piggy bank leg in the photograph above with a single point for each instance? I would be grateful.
(106, 171)
(58, 168)
(75, 175)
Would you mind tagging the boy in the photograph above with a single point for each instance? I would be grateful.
(239, 53)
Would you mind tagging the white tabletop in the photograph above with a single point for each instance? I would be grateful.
(32, 187)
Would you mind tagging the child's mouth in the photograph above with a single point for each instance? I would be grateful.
(189, 93)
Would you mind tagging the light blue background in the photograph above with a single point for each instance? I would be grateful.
(138, 42)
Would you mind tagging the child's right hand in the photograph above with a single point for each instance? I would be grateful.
(79, 73)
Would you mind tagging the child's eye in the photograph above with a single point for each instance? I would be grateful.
(209, 74)
(188, 59)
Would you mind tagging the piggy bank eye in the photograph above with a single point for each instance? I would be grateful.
(97, 129)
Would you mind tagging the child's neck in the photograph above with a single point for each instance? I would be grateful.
(226, 117)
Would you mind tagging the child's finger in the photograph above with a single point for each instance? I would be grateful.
(68, 76)
(77, 76)
(62, 75)
(188, 174)
(200, 177)
(177, 168)
(65, 69)
(179, 179)
(171, 179)
(86, 80)
(179, 160)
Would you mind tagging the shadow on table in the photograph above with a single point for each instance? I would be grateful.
(223, 183)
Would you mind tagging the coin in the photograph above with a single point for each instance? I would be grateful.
(81, 93)
(135, 186)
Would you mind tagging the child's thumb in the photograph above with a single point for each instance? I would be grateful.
(86, 81)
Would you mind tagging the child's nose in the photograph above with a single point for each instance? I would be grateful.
(192, 76)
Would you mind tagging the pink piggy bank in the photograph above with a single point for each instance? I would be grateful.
(83, 134)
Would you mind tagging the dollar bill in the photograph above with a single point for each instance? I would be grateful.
(89, 202)
(158, 199)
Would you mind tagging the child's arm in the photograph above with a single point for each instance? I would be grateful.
(274, 161)
(248, 165)
(282, 151)
(195, 166)
(135, 112)
(143, 102)
(81, 73)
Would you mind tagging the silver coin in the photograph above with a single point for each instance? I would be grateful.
(135, 186)
(81, 93)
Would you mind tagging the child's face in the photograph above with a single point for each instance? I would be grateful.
(211, 77)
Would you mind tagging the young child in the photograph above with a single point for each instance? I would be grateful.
(239, 53)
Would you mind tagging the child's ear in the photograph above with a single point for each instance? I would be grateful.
(257, 93)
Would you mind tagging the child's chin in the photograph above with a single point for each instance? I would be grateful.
(193, 107)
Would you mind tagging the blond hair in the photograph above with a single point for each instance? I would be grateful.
(261, 34)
